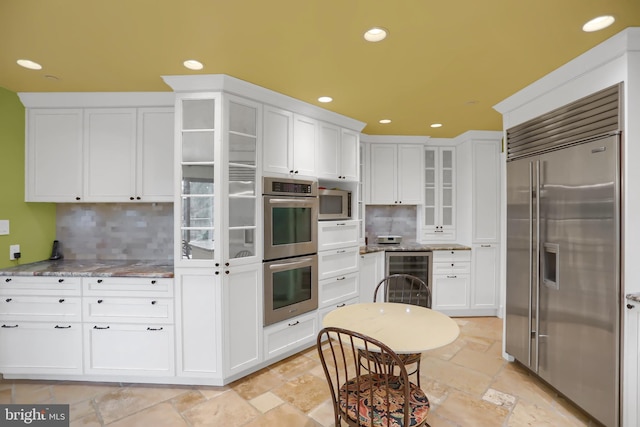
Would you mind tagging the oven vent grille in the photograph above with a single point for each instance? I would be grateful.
(592, 116)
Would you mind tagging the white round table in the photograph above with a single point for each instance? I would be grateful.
(404, 328)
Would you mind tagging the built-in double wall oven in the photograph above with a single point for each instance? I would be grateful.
(290, 248)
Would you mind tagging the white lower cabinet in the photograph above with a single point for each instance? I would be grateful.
(40, 325)
(334, 290)
(291, 335)
(485, 266)
(324, 311)
(371, 271)
(129, 349)
(451, 281)
(41, 348)
(337, 262)
(198, 328)
(631, 365)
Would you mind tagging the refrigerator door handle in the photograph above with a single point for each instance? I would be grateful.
(536, 282)
(529, 314)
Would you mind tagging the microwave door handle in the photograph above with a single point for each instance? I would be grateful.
(289, 264)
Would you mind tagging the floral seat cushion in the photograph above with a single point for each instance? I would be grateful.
(354, 408)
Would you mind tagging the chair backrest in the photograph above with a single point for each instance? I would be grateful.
(404, 288)
(351, 368)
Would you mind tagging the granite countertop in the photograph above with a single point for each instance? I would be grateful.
(88, 268)
(633, 297)
(413, 246)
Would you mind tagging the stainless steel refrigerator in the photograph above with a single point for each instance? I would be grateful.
(563, 271)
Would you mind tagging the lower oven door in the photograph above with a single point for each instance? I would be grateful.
(290, 288)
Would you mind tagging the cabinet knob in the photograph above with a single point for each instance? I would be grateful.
(60, 280)
(291, 171)
(217, 264)
(216, 273)
(61, 300)
(226, 264)
(138, 198)
(100, 301)
(296, 172)
(99, 280)
(9, 299)
(154, 302)
(153, 282)
(131, 198)
(77, 198)
(7, 280)
(630, 306)
(226, 272)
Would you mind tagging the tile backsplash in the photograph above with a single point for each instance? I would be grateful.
(115, 231)
(391, 220)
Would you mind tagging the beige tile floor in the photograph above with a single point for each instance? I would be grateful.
(468, 383)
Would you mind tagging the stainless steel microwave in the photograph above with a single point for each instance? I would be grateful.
(334, 204)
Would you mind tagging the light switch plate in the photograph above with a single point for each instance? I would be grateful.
(4, 227)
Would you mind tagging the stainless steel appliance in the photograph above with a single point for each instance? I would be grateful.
(563, 294)
(290, 287)
(334, 204)
(416, 263)
(290, 248)
(290, 217)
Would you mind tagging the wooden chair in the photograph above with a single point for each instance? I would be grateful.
(407, 289)
(369, 394)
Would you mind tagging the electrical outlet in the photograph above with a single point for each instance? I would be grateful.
(14, 249)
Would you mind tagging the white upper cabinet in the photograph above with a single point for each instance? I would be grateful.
(99, 154)
(289, 143)
(439, 211)
(396, 171)
(54, 155)
(486, 175)
(337, 153)
(110, 154)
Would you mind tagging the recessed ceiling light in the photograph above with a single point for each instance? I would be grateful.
(26, 63)
(325, 99)
(385, 121)
(51, 77)
(599, 23)
(375, 34)
(436, 125)
(192, 64)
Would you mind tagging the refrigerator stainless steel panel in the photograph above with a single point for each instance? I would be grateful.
(563, 285)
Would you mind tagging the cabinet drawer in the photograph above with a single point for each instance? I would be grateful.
(337, 234)
(450, 292)
(129, 350)
(338, 262)
(127, 286)
(41, 348)
(323, 312)
(336, 289)
(452, 256)
(291, 334)
(128, 310)
(29, 285)
(451, 268)
(40, 309)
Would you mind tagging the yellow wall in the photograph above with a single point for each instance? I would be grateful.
(32, 225)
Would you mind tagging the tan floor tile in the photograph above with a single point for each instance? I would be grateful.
(456, 376)
(210, 392)
(88, 421)
(283, 416)
(513, 380)
(468, 410)
(448, 351)
(228, 410)
(526, 414)
(126, 401)
(32, 392)
(304, 392)
(323, 414)
(72, 392)
(161, 415)
(294, 366)
(435, 420)
(256, 384)
(436, 391)
(266, 402)
(188, 400)
(5, 396)
(81, 410)
(482, 362)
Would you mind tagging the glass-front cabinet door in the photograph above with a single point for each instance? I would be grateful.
(438, 215)
(198, 120)
(242, 186)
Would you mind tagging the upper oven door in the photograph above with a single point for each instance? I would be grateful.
(290, 226)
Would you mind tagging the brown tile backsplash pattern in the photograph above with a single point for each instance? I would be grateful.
(115, 231)
(391, 220)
